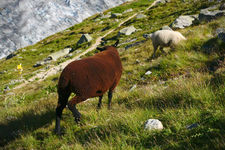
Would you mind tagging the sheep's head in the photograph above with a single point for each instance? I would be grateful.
(147, 36)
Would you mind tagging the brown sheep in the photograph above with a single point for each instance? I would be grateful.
(87, 78)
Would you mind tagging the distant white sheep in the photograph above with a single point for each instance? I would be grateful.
(165, 38)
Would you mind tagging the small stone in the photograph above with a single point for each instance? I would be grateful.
(133, 87)
(153, 124)
(195, 125)
(128, 10)
(148, 73)
(140, 16)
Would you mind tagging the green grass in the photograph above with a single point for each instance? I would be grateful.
(187, 86)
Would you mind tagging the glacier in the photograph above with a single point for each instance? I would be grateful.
(25, 22)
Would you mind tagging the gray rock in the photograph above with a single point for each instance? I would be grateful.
(61, 53)
(140, 16)
(221, 36)
(108, 15)
(10, 56)
(6, 88)
(222, 6)
(38, 63)
(195, 125)
(128, 30)
(133, 87)
(182, 22)
(128, 10)
(166, 28)
(206, 15)
(148, 73)
(156, 2)
(84, 38)
(219, 30)
(153, 124)
(106, 28)
(116, 15)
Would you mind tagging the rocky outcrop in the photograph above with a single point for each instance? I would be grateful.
(84, 38)
(128, 30)
(183, 21)
(207, 15)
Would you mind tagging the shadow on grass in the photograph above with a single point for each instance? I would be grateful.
(28, 122)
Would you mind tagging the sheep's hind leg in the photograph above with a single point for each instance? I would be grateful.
(161, 49)
(72, 107)
(62, 101)
(100, 102)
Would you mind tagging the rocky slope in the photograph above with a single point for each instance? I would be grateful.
(24, 22)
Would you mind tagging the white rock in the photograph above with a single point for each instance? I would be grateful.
(133, 87)
(153, 124)
(148, 73)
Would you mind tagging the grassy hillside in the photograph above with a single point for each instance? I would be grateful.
(187, 86)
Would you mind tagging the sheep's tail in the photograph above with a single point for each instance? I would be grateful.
(63, 83)
(182, 37)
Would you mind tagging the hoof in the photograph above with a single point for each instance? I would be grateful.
(77, 119)
(57, 132)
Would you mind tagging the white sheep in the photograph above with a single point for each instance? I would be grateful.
(165, 38)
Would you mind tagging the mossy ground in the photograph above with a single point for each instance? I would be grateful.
(186, 87)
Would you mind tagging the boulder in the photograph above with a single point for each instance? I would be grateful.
(84, 38)
(108, 15)
(219, 30)
(140, 16)
(153, 124)
(128, 30)
(182, 22)
(166, 28)
(10, 56)
(206, 15)
(61, 53)
(116, 15)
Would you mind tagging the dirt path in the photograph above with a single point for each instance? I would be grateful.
(43, 75)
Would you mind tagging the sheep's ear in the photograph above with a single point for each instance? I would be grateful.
(101, 49)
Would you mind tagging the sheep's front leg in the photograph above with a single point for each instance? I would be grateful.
(100, 102)
(72, 107)
(155, 48)
(109, 98)
(161, 49)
